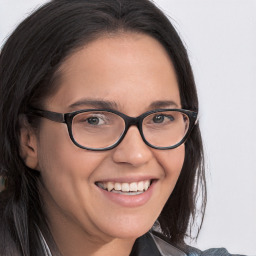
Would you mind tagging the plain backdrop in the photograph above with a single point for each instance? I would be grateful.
(220, 36)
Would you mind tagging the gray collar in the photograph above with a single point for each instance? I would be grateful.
(165, 248)
(45, 246)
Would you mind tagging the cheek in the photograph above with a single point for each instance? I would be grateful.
(63, 165)
(172, 161)
(57, 151)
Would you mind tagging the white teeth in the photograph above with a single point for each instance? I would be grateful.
(146, 184)
(118, 186)
(109, 185)
(131, 188)
(140, 186)
(125, 187)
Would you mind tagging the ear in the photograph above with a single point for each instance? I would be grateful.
(28, 144)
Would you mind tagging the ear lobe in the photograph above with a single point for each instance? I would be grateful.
(28, 145)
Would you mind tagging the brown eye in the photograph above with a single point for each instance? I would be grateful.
(93, 120)
(161, 118)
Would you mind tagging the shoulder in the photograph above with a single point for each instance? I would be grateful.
(210, 252)
(167, 249)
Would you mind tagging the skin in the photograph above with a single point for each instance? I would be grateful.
(132, 70)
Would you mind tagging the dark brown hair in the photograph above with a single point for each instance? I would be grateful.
(29, 62)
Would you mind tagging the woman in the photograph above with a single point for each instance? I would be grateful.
(99, 134)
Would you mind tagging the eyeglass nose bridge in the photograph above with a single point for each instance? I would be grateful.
(132, 121)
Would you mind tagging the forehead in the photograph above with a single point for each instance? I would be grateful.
(128, 69)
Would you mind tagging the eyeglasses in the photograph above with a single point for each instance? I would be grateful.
(104, 129)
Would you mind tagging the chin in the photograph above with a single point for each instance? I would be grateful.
(128, 229)
(129, 234)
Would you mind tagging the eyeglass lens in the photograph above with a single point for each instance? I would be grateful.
(165, 129)
(101, 129)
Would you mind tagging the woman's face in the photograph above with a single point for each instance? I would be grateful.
(134, 73)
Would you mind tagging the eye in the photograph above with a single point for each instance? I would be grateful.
(160, 118)
(94, 120)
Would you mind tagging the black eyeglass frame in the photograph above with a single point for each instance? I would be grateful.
(67, 118)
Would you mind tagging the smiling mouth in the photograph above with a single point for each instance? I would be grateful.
(133, 188)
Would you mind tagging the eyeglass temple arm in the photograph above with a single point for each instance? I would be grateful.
(53, 116)
(194, 115)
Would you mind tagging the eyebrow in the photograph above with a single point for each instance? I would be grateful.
(163, 104)
(99, 103)
(105, 104)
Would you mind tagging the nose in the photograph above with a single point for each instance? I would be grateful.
(132, 150)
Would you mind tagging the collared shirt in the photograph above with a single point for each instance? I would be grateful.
(152, 245)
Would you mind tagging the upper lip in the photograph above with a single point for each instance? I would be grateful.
(127, 179)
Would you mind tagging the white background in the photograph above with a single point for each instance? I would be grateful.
(221, 41)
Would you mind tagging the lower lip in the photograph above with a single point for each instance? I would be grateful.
(129, 200)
